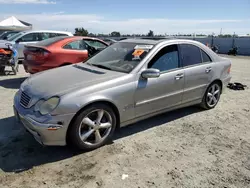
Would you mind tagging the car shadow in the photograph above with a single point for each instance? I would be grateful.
(155, 121)
(13, 83)
(20, 152)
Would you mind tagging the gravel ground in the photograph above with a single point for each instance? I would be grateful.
(184, 148)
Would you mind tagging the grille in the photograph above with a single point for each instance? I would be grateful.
(25, 99)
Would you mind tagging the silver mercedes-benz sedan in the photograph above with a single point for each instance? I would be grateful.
(131, 80)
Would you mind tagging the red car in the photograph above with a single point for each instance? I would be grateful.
(60, 51)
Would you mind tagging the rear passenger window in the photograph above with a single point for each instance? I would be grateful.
(44, 36)
(191, 55)
(205, 57)
(51, 35)
(75, 45)
(61, 34)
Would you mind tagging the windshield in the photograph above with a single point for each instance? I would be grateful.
(121, 56)
(12, 38)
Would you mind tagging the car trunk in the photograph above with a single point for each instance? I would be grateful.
(36, 54)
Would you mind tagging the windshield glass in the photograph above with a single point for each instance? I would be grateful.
(121, 56)
(12, 38)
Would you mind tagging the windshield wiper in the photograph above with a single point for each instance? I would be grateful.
(100, 66)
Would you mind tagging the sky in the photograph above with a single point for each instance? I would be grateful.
(133, 16)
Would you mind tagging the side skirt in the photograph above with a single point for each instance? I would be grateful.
(123, 124)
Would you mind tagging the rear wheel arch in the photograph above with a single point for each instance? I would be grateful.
(108, 103)
(217, 81)
(204, 102)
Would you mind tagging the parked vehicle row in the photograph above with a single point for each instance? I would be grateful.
(7, 34)
(133, 79)
(31, 37)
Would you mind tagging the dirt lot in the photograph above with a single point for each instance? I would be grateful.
(184, 148)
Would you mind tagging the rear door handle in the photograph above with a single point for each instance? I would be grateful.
(208, 69)
(179, 76)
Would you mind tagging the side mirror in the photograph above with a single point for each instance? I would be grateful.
(150, 73)
(5, 38)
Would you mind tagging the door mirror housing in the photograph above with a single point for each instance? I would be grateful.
(150, 73)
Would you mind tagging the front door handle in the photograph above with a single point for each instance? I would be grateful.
(208, 69)
(179, 76)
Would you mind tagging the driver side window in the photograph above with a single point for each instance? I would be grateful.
(31, 37)
(166, 59)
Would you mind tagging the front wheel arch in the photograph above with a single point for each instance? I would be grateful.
(110, 104)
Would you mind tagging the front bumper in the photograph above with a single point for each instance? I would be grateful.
(49, 131)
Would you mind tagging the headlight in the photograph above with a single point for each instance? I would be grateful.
(45, 107)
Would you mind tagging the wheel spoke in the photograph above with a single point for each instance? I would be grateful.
(214, 100)
(88, 122)
(210, 100)
(213, 89)
(216, 92)
(105, 125)
(86, 135)
(100, 115)
(98, 137)
(209, 95)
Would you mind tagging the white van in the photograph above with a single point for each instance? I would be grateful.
(31, 37)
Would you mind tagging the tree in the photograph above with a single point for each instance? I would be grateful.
(150, 33)
(81, 32)
(115, 34)
(91, 34)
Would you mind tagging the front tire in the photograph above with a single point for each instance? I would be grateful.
(211, 96)
(93, 127)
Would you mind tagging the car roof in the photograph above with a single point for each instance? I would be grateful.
(140, 41)
(60, 39)
(158, 41)
(44, 31)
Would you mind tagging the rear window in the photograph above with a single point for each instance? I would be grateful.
(48, 42)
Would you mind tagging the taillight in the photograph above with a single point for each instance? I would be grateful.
(36, 54)
(42, 54)
(45, 53)
(229, 69)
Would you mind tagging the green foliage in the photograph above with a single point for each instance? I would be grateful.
(150, 33)
(115, 34)
(81, 32)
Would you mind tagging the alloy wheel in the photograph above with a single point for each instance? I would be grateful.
(95, 127)
(213, 95)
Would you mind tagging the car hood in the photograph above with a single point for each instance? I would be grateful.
(59, 81)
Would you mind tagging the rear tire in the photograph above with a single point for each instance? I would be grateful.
(211, 96)
(2, 70)
(93, 127)
(15, 69)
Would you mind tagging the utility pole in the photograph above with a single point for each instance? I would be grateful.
(234, 40)
(220, 31)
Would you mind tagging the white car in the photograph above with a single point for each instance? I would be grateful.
(31, 37)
